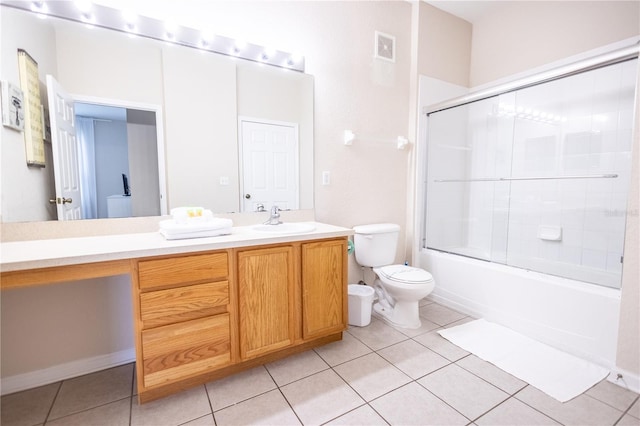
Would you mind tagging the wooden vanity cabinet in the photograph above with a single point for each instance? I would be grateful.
(199, 317)
(183, 318)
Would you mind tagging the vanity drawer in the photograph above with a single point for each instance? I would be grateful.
(178, 351)
(183, 270)
(162, 307)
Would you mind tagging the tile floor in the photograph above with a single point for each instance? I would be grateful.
(375, 375)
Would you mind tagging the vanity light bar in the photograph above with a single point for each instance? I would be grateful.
(113, 19)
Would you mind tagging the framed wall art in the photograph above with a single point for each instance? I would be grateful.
(12, 106)
(33, 131)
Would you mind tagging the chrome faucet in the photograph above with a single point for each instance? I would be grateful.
(274, 219)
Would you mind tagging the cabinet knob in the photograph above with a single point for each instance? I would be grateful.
(247, 196)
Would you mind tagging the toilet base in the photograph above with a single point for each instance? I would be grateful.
(403, 314)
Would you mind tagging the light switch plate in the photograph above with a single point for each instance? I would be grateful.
(326, 178)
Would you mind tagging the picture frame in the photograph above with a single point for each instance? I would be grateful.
(33, 128)
(12, 106)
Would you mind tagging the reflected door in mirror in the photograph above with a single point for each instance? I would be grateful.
(65, 152)
(270, 164)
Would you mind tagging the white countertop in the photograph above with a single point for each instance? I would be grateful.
(23, 255)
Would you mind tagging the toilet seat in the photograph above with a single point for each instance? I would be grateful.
(403, 274)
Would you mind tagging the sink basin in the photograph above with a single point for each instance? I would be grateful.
(285, 228)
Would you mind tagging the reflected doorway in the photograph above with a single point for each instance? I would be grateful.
(118, 153)
(121, 159)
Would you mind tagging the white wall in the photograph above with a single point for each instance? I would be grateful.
(444, 45)
(143, 163)
(63, 324)
(91, 64)
(41, 45)
(521, 35)
(200, 129)
(112, 160)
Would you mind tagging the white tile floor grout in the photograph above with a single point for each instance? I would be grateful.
(375, 375)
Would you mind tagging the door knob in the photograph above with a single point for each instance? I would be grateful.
(247, 196)
(60, 200)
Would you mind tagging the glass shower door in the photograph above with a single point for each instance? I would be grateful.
(571, 174)
(469, 146)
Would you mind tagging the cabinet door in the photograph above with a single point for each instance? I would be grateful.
(266, 284)
(324, 288)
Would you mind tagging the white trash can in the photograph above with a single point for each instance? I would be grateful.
(360, 301)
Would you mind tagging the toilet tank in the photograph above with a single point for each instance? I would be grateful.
(376, 244)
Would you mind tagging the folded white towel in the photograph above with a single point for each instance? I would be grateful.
(197, 234)
(213, 223)
(173, 229)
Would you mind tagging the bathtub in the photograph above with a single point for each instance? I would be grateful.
(573, 316)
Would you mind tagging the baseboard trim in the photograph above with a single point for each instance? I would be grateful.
(625, 379)
(53, 374)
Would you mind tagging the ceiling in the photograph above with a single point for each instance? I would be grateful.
(100, 112)
(469, 10)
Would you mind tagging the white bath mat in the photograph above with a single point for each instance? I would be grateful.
(556, 373)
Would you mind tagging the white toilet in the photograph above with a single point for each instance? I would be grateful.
(399, 288)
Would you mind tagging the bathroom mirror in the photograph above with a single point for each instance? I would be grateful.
(204, 99)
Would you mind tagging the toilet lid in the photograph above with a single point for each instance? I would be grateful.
(405, 274)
